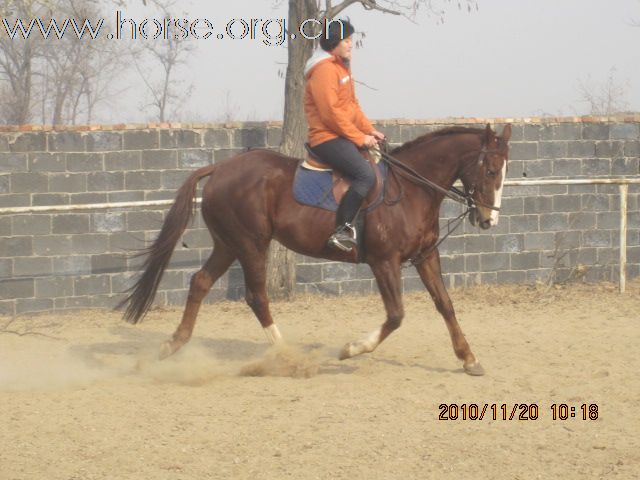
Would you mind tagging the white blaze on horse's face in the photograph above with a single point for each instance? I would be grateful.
(497, 199)
(493, 170)
(491, 175)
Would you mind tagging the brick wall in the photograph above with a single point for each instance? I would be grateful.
(51, 261)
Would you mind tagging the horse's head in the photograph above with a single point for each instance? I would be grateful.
(483, 180)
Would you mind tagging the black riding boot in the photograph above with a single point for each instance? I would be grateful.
(344, 236)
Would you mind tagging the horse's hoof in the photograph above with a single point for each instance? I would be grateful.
(474, 369)
(166, 350)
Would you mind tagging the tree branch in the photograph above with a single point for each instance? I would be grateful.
(331, 11)
(366, 85)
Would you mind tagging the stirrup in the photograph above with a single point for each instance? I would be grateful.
(344, 238)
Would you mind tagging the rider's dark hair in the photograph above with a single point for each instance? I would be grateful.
(334, 33)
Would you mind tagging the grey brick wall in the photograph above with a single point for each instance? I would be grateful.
(55, 261)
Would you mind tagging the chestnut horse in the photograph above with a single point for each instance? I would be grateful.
(248, 200)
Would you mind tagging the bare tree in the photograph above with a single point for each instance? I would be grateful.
(79, 72)
(17, 59)
(605, 98)
(64, 76)
(16, 72)
(169, 54)
(97, 86)
(62, 73)
(281, 273)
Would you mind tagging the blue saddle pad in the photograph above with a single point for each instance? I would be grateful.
(315, 189)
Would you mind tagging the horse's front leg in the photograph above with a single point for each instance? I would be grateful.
(431, 276)
(389, 281)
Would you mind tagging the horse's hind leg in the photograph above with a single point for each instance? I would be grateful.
(201, 282)
(389, 281)
(431, 276)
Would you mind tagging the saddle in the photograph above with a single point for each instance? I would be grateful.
(317, 185)
(341, 182)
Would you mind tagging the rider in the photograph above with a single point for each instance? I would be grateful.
(337, 126)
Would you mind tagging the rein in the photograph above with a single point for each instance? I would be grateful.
(453, 193)
(421, 256)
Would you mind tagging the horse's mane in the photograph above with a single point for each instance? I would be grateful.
(438, 133)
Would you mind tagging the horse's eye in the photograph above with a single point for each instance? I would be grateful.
(491, 173)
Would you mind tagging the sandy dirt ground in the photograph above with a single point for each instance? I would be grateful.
(82, 396)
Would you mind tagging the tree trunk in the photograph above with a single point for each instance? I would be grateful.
(16, 67)
(281, 269)
(294, 130)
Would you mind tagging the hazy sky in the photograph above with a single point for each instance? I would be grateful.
(509, 58)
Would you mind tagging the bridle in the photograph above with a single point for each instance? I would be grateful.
(453, 193)
(472, 188)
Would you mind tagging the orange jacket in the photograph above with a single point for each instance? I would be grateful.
(330, 103)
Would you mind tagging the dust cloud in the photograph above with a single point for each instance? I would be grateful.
(284, 361)
(49, 365)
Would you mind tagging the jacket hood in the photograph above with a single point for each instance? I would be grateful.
(318, 56)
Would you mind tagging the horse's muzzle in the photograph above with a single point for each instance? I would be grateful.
(475, 218)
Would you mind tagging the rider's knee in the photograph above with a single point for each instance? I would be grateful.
(368, 178)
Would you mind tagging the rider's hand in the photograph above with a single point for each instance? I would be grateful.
(369, 141)
(378, 135)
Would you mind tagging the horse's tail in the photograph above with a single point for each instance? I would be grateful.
(140, 295)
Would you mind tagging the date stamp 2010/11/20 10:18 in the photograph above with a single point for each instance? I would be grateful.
(515, 411)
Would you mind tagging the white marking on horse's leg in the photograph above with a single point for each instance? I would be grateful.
(373, 340)
(365, 345)
(273, 334)
(498, 197)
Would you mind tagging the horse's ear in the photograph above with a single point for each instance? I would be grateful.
(506, 133)
(489, 134)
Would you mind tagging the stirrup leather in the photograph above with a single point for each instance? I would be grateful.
(344, 238)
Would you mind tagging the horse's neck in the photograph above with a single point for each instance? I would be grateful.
(442, 160)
